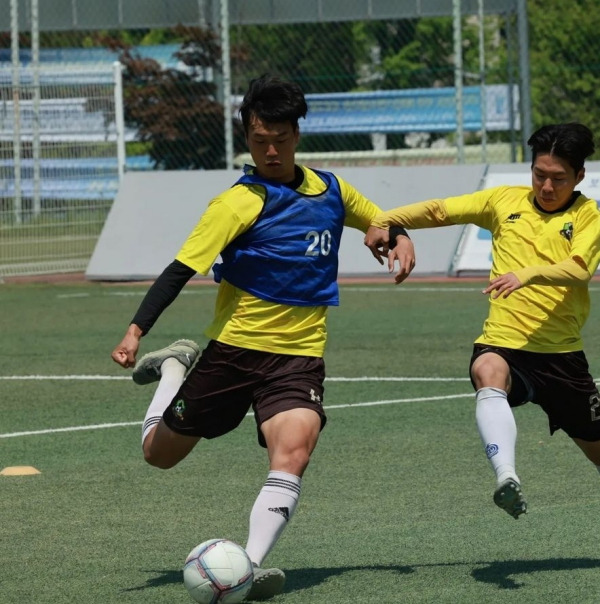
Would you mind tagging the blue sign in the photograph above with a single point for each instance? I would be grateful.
(414, 110)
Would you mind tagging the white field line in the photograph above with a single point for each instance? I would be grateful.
(329, 379)
(332, 379)
(327, 407)
(210, 290)
(201, 291)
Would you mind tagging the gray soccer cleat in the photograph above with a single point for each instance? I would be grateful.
(268, 582)
(509, 496)
(147, 369)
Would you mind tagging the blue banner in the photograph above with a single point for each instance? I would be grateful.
(414, 110)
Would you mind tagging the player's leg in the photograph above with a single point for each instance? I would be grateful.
(590, 449)
(491, 377)
(168, 366)
(291, 437)
(290, 416)
(572, 402)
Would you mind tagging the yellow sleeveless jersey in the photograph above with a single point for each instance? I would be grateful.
(240, 318)
(538, 318)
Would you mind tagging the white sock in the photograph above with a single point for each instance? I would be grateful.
(172, 376)
(271, 512)
(498, 431)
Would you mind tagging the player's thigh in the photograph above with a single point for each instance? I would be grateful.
(291, 437)
(165, 448)
(489, 368)
(590, 449)
(295, 429)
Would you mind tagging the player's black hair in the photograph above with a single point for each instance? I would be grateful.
(572, 142)
(273, 100)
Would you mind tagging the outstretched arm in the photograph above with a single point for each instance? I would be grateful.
(160, 295)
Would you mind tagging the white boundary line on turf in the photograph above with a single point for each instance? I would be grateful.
(328, 379)
(345, 288)
(326, 407)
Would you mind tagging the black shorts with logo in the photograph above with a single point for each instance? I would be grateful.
(560, 383)
(227, 381)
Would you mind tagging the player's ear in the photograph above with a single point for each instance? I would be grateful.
(580, 176)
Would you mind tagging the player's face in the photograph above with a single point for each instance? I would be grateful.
(273, 149)
(553, 181)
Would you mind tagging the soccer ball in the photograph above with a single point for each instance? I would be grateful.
(218, 570)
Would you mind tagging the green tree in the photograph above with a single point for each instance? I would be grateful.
(321, 57)
(564, 63)
(175, 111)
(418, 53)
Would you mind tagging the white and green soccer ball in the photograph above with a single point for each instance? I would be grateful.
(218, 571)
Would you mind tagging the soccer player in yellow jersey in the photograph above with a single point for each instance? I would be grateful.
(278, 232)
(545, 249)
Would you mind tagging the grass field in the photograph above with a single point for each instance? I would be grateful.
(396, 505)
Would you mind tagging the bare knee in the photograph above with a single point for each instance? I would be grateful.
(293, 461)
(291, 437)
(491, 370)
(297, 462)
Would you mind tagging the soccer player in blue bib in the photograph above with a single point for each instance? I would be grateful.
(545, 249)
(278, 232)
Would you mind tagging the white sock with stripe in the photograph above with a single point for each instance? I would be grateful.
(172, 376)
(498, 431)
(271, 512)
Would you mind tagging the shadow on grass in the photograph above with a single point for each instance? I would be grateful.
(500, 573)
(296, 579)
(163, 577)
(303, 578)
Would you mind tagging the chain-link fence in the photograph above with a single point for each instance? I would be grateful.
(387, 83)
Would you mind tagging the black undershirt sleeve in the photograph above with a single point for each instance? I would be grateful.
(394, 232)
(162, 292)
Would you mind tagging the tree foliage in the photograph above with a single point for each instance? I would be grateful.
(175, 111)
(564, 63)
(318, 56)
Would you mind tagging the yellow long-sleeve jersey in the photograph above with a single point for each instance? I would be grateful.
(552, 254)
(242, 319)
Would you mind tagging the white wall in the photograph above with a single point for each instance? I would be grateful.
(155, 211)
(475, 247)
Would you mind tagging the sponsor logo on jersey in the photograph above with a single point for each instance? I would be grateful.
(567, 231)
(513, 218)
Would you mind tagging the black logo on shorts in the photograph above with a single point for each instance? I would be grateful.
(285, 512)
(178, 409)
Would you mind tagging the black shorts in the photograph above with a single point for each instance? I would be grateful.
(227, 380)
(560, 383)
